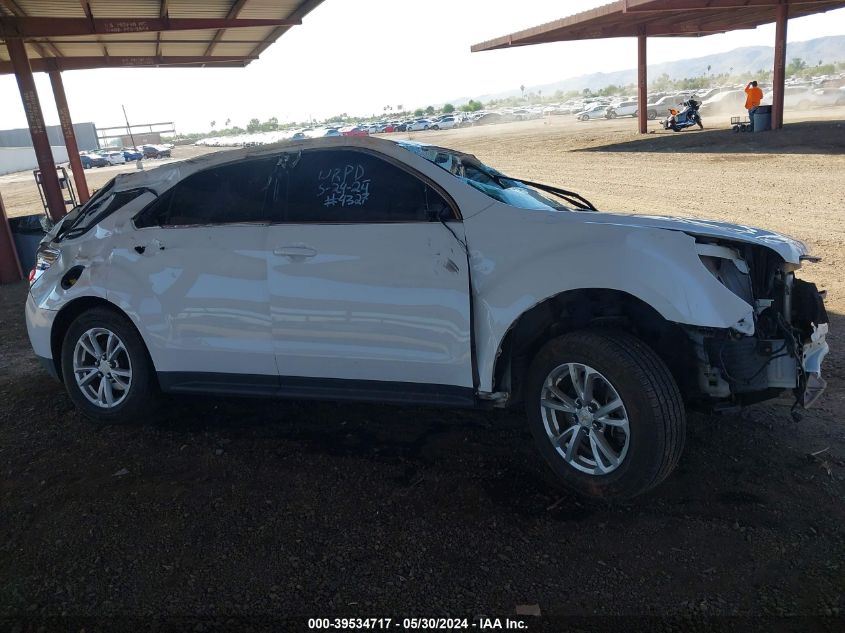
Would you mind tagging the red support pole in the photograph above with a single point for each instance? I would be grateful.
(37, 130)
(642, 84)
(10, 265)
(779, 76)
(70, 136)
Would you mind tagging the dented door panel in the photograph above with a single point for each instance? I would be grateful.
(384, 302)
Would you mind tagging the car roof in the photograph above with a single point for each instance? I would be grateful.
(165, 176)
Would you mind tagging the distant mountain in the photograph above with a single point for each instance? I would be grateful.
(747, 60)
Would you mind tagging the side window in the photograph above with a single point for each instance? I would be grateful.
(343, 186)
(221, 195)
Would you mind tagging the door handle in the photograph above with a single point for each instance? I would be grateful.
(295, 250)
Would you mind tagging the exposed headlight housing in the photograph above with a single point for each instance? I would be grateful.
(45, 257)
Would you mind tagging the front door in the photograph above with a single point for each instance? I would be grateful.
(369, 285)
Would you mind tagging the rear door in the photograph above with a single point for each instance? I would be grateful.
(199, 273)
(369, 289)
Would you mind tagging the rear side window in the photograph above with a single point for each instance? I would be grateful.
(347, 186)
(229, 194)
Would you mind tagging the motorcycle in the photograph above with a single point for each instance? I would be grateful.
(680, 120)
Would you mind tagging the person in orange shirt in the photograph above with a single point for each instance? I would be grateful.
(753, 97)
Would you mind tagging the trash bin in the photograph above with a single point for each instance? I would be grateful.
(27, 232)
(763, 119)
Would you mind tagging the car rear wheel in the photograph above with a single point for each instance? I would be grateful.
(106, 369)
(651, 115)
(605, 413)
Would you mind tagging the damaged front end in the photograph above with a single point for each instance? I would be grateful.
(786, 346)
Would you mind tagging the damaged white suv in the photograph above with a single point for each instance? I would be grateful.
(363, 269)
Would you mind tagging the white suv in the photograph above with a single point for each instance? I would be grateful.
(363, 269)
(444, 123)
(625, 108)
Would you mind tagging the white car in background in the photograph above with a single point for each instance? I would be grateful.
(593, 112)
(444, 123)
(418, 125)
(624, 108)
(115, 158)
(357, 268)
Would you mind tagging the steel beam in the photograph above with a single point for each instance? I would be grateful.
(10, 265)
(233, 13)
(37, 129)
(642, 84)
(70, 136)
(46, 64)
(57, 27)
(661, 6)
(779, 75)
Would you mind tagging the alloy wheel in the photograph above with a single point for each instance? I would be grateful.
(585, 419)
(102, 367)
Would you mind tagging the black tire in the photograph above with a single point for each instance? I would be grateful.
(656, 415)
(611, 115)
(143, 394)
(435, 127)
(651, 115)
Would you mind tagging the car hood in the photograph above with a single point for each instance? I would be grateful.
(788, 248)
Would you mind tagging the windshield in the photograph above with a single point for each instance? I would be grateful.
(101, 204)
(491, 182)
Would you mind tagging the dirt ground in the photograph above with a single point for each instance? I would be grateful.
(239, 513)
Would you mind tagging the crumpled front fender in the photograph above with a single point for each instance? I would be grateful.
(556, 253)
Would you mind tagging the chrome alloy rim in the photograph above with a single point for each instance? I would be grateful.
(102, 368)
(585, 419)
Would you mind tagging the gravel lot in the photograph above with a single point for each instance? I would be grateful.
(240, 513)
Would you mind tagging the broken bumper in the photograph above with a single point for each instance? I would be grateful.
(811, 360)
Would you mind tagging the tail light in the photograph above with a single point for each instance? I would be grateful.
(45, 257)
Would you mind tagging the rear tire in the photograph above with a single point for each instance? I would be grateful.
(646, 448)
(101, 347)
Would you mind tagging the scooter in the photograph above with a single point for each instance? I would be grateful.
(680, 120)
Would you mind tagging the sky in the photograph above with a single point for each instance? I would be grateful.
(358, 56)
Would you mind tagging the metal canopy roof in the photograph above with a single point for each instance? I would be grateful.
(630, 18)
(80, 34)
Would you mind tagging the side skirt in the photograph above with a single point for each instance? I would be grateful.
(305, 388)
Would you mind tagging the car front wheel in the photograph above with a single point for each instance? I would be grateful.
(605, 413)
(106, 369)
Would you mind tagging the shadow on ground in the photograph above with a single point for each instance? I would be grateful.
(811, 137)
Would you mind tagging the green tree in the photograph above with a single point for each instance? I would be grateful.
(253, 126)
(448, 108)
(270, 125)
(213, 123)
(796, 64)
(472, 106)
(429, 110)
(419, 112)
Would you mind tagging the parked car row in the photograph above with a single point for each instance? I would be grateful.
(819, 92)
(106, 157)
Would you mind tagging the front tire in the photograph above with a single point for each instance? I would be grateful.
(605, 413)
(106, 368)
